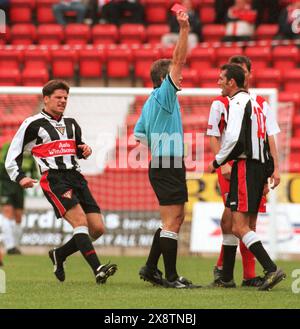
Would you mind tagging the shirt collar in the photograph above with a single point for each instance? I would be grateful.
(49, 116)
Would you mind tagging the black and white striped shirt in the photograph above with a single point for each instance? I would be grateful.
(246, 131)
(53, 143)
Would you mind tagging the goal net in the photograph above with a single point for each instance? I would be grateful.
(117, 171)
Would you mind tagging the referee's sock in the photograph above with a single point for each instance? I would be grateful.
(84, 244)
(253, 243)
(155, 251)
(168, 244)
(230, 243)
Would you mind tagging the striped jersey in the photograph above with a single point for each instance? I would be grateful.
(218, 116)
(243, 122)
(53, 144)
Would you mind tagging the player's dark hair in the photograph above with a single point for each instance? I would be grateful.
(53, 85)
(159, 71)
(240, 60)
(234, 72)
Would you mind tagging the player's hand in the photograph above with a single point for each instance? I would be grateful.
(226, 171)
(266, 190)
(275, 179)
(27, 182)
(183, 19)
(211, 168)
(86, 150)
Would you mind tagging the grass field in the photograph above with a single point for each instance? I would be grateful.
(30, 283)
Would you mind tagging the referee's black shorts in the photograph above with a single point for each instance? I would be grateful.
(168, 179)
(66, 188)
(247, 181)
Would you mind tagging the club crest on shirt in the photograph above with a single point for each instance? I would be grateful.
(68, 194)
(60, 129)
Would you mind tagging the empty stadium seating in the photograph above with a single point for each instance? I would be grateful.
(260, 56)
(63, 62)
(50, 34)
(131, 34)
(267, 78)
(77, 34)
(91, 62)
(44, 12)
(105, 34)
(154, 32)
(118, 61)
(21, 11)
(201, 58)
(23, 34)
(143, 57)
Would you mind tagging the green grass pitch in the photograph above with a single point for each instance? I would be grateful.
(30, 283)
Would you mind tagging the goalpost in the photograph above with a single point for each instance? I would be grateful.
(107, 115)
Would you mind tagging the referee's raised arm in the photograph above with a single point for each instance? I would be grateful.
(180, 51)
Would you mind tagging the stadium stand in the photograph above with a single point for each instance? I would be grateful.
(35, 48)
(50, 34)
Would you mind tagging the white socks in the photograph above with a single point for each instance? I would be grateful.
(8, 228)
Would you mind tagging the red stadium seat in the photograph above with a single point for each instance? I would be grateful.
(267, 78)
(36, 56)
(207, 14)
(291, 80)
(50, 34)
(208, 78)
(224, 53)
(143, 58)
(285, 57)
(155, 32)
(201, 58)
(190, 78)
(132, 34)
(10, 77)
(118, 61)
(260, 56)
(44, 12)
(266, 31)
(213, 32)
(91, 60)
(23, 34)
(35, 72)
(105, 34)
(21, 11)
(77, 34)
(63, 62)
(32, 76)
(10, 58)
(156, 11)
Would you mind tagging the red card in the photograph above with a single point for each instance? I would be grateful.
(177, 7)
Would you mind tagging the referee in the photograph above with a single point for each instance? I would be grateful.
(160, 127)
(246, 143)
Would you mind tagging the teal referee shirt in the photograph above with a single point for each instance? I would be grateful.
(160, 123)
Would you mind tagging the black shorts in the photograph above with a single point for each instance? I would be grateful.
(169, 184)
(66, 188)
(247, 181)
(11, 193)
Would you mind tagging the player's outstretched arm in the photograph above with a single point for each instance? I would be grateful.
(180, 51)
